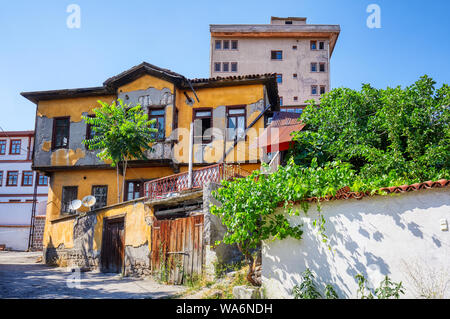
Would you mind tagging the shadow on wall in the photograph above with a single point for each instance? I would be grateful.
(370, 237)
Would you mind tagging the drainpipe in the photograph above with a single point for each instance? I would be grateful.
(191, 151)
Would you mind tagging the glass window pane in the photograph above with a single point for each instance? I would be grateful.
(236, 111)
(203, 113)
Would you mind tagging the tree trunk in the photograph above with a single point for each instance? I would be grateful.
(118, 183)
(251, 267)
(124, 176)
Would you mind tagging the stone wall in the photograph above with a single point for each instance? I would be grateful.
(39, 224)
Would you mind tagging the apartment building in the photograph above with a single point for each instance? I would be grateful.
(18, 184)
(299, 53)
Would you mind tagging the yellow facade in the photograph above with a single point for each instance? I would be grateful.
(59, 229)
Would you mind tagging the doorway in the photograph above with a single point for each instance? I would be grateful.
(113, 245)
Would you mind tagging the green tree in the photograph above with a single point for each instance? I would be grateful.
(385, 134)
(121, 133)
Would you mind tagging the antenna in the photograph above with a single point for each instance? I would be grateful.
(75, 204)
(89, 201)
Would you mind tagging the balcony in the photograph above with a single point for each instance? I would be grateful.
(170, 185)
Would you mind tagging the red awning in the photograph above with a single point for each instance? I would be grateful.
(277, 136)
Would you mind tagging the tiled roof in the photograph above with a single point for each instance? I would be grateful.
(234, 77)
(346, 193)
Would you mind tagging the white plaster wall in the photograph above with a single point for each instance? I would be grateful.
(397, 233)
(15, 238)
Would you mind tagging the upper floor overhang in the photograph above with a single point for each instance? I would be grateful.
(312, 31)
(111, 85)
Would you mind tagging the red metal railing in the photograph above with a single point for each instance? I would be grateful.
(175, 183)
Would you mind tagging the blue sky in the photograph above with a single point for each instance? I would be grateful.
(39, 52)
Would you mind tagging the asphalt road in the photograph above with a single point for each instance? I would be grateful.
(22, 278)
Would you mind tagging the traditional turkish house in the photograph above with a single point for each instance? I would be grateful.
(164, 222)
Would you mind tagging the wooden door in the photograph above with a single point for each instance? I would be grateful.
(177, 248)
(113, 245)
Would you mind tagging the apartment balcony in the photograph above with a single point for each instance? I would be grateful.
(172, 185)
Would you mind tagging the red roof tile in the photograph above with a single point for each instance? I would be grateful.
(346, 193)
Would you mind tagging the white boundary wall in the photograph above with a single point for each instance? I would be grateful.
(400, 234)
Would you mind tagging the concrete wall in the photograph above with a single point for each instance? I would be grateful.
(254, 57)
(396, 235)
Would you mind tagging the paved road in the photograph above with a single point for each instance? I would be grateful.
(21, 277)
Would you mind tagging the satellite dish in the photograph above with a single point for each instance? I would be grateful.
(75, 204)
(89, 201)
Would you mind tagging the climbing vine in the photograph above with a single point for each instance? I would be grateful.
(362, 140)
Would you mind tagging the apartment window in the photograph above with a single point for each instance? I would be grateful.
(234, 67)
(314, 90)
(135, 189)
(294, 75)
(279, 78)
(14, 148)
(234, 45)
(69, 194)
(281, 100)
(27, 178)
(288, 22)
(202, 125)
(11, 178)
(236, 117)
(2, 147)
(61, 131)
(322, 89)
(14, 200)
(298, 110)
(322, 67)
(159, 116)
(226, 44)
(101, 195)
(218, 44)
(42, 180)
(1, 178)
(321, 45)
(217, 67)
(294, 47)
(276, 55)
(313, 67)
(295, 98)
(313, 45)
(226, 67)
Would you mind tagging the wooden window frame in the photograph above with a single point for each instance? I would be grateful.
(231, 107)
(311, 45)
(215, 44)
(23, 178)
(3, 142)
(279, 76)
(7, 179)
(195, 117)
(313, 64)
(223, 45)
(217, 64)
(38, 178)
(62, 212)
(106, 198)
(151, 117)
(323, 43)
(54, 147)
(89, 129)
(237, 45)
(1, 178)
(324, 89)
(314, 86)
(141, 191)
(11, 146)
